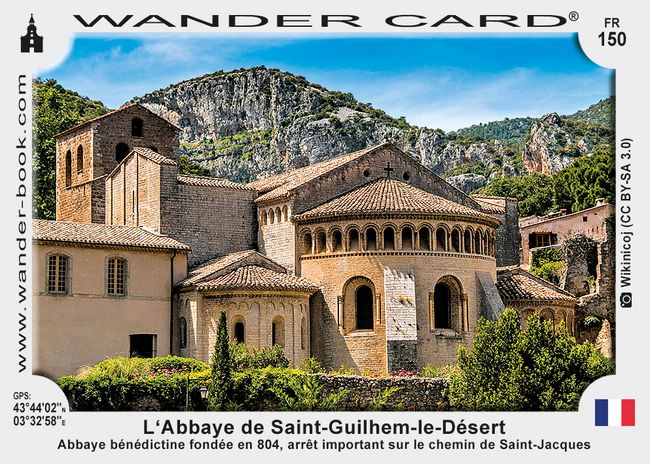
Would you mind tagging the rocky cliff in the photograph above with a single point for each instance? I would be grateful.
(251, 123)
(554, 143)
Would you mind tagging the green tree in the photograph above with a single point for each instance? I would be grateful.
(221, 385)
(534, 192)
(55, 110)
(535, 369)
(588, 178)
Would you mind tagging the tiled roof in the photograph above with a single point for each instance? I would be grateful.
(258, 278)
(385, 194)
(490, 204)
(203, 181)
(111, 113)
(154, 156)
(74, 233)
(280, 185)
(514, 283)
(205, 270)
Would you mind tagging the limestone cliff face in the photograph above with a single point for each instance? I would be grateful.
(251, 123)
(555, 142)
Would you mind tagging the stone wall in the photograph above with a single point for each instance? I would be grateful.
(256, 311)
(336, 342)
(414, 394)
(368, 168)
(401, 319)
(277, 234)
(213, 221)
(589, 222)
(508, 238)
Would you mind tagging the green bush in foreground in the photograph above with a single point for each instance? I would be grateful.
(535, 369)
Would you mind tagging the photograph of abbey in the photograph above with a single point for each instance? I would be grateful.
(332, 236)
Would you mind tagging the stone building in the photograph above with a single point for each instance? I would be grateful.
(367, 260)
(101, 291)
(554, 229)
(529, 295)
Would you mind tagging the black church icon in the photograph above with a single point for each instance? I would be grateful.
(31, 40)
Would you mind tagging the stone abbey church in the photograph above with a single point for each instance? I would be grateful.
(367, 260)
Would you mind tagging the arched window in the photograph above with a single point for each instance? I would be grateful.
(425, 238)
(353, 240)
(468, 241)
(561, 320)
(68, 168)
(455, 240)
(337, 241)
(265, 218)
(442, 306)
(303, 333)
(525, 315)
(57, 273)
(321, 241)
(371, 239)
(547, 315)
(80, 159)
(441, 239)
(116, 276)
(239, 331)
(137, 127)
(121, 150)
(477, 242)
(271, 216)
(306, 244)
(183, 333)
(407, 238)
(277, 331)
(278, 214)
(389, 238)
(364, 308)
(484, 243)
(285, 213)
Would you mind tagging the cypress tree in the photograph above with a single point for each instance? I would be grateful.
(222, 384)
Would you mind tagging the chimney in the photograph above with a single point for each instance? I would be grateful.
(600, 201)
(562, 211)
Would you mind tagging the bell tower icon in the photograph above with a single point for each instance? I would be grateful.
(31, 40)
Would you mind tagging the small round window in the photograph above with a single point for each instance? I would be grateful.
(406, 176)
(367, 172)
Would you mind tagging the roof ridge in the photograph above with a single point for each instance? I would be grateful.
(111, 113)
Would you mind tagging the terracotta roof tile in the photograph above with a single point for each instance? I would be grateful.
(280, 185)
(154, 156)
(258, 278)
(103, 235)
(205, 270)
(392, 195)
(203, 181)
(514, 283)
(490, 204)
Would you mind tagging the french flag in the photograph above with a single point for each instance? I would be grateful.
(614, 413)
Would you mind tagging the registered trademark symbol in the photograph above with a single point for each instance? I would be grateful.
(573, 16)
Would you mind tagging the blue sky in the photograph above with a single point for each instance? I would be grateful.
(446, 81)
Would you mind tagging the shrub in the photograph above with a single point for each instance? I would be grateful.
(311, 366)
(548, 264)
(430, 372)
(245, 357)
(534, 369)
(305, 393)
(380, 401)
(221, 385)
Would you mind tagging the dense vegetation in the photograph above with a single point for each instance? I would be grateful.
(535, 369)
(511, 131)
(55, 110)
(575, 187)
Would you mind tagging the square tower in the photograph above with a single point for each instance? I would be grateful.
(87, 153)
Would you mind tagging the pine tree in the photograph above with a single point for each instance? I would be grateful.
(221, 386)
